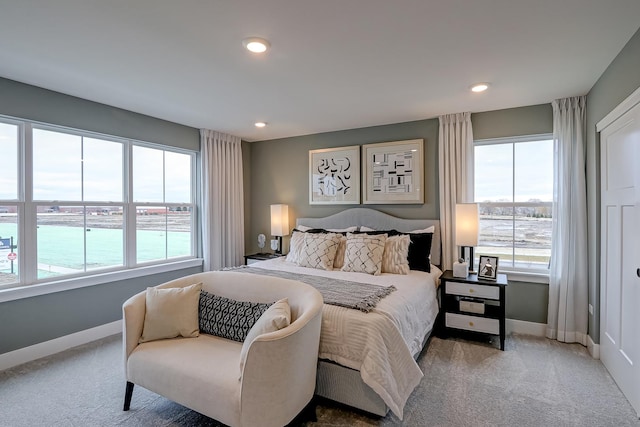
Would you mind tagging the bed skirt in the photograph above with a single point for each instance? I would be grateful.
(344, 385)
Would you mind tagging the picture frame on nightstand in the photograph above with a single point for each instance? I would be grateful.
(488, 267)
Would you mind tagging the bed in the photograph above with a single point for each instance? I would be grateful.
(367, 359)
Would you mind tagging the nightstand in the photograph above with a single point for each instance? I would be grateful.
(473, 304)
(250, 259)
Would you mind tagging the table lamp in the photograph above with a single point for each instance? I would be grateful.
(466, 233)
(279, 225)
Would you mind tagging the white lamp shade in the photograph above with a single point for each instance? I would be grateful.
(467, 224)
(279, 220)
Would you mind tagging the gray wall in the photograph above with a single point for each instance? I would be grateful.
(619, 80)
(33, 320)
(30, 321)
(33, 103)
(280, 173)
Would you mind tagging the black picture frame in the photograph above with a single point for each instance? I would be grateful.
(488, 267)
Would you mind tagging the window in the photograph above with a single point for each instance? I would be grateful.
(514, 189)
(81, 203)
(162, 179)
(9, 197)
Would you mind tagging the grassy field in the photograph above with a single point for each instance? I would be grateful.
(529, 238)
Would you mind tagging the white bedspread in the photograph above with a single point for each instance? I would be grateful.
(379, 344)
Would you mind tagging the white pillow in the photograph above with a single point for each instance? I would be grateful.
(171, 312)
(364, 253)
(343, 230)
(303, 228)
(365, 229)
(396, 251)
(319, 250)
(277, 316)
(431, 229)
(295, 246)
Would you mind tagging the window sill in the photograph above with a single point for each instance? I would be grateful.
(28, 291)
(528, 277)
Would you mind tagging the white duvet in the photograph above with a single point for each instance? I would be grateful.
(381, 343)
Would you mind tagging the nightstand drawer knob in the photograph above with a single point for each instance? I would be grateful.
(470, 290)
(470, 323)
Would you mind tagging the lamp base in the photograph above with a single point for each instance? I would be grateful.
(276, 245)
(467, 256)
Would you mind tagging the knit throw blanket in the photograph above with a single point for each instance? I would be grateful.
(343, 293)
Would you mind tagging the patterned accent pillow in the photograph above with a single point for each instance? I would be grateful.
(228, 318)
(364, 253)
(319, 250)
(338, 262)
(295, 246)
(394, 258)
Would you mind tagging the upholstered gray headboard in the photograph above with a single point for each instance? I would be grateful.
(378, 221)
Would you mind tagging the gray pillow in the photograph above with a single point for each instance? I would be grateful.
(228, 318)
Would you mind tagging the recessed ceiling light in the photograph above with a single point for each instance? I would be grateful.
(480, 87)
(260, 124)
(256, 44)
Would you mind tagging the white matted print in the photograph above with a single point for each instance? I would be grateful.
(334, 176)
(393, 172)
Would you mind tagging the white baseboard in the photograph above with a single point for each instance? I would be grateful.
(47, 348)
(524, 327)
(594, 349)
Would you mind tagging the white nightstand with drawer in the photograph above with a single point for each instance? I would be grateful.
(473, 305)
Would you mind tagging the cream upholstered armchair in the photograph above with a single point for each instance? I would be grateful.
(277, 379)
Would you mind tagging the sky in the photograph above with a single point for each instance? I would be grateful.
(65, 166)
(533, 179)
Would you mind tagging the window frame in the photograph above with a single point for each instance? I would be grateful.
(28, 284)
(536, 275)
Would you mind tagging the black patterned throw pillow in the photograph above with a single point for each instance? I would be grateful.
(228, 318)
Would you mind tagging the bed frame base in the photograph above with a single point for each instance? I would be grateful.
(344, 385)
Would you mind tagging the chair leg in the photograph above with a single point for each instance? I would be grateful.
(127, 396)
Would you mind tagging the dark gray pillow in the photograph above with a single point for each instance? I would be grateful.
(228, 318)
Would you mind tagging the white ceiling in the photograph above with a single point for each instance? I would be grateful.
(333, 64)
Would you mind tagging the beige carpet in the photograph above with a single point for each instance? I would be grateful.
(535, 382)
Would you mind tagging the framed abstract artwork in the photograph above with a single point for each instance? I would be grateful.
(393, 172)
(334, 176)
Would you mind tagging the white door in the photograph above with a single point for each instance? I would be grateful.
(620, 262)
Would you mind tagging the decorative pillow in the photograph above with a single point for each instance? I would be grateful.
(297, 242)
(277, 317)
(228, 318)
(431, 229)
(338, 262)
(364, 253)
(342, 230)
(319, 250)
(420, 251)
(171, 312)
(396, 251)
(378, 232)
(295, 246)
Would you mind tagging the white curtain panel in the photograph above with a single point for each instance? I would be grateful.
(568, 279)
(222, 200)
(456, 177)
